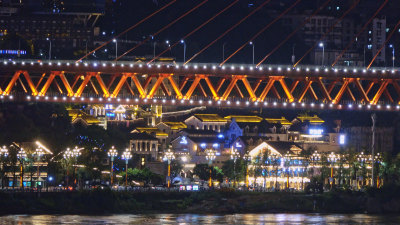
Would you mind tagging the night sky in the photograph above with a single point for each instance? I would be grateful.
(120, 14)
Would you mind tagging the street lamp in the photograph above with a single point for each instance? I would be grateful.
(39, 153)
(210, 156)
(253, 45)
(184, 50)
(21, 155)
(112, 153)
(247, 158)
(362, 159)
(169, 156)
(116, 48)
(3, 156)
(393, 58)
(323, 52)
(378, 160)
(287, 158)
(68, 156)
(234, 156)
(75, 153)
(126, 156)
(332, 158)
(48, 39)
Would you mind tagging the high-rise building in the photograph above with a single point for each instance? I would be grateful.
(45, 29)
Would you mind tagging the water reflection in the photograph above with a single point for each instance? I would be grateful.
(201, 219)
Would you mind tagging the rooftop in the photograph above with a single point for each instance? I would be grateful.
(210, 118)
(244, 119)
(281, 120)
(176, 125)
(150, 130)
(142, 136)
(77, 114)
(311, 119)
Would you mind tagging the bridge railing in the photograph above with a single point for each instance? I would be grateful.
(228, 66)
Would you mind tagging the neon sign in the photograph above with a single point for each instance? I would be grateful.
(316, 131)
(183, 141)
(342, 138)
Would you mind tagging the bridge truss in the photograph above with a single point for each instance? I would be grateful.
(201, 84)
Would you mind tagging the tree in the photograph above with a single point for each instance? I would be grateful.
(234, 170)
(142, 175)
(306, 158)
(203, 172)
(176, 168)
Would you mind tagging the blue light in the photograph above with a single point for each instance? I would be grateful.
(215, 145)
(50, 178)
(342, 139)
(203, 145)
(183, 141)
(220, 136)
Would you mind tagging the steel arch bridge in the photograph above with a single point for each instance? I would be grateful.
(232, 85)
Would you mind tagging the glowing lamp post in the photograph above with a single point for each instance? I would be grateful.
(234, 156)
(169, 156)
(362, 159)
(287, 158)
(332, 158)
(75, 153)
(126, 156)
(378, 160)
(38, 153)
(3, 156)
(68, 156)
(315, 158)
(210, 156)
(112, 153)
(247, 159)
(21, 155)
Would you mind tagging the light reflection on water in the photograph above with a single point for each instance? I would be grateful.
(201, 219)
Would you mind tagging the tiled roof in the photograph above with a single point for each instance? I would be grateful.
(311, 119)
(199, 140)
(176, 125)
(283, 146)
(281, 120)
(195, 132)
(151, 130)
(79, 114)
(244, 119)
(210, 118)
(142, 136)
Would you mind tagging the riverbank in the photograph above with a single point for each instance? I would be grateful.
(217, 202)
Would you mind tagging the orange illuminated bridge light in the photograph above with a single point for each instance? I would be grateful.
(208, 84)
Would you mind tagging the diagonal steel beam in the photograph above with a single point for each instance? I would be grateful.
(325, 92)
(192, 87)
(341, 91)
(286, 90)
(238, 90)
(229, 88)
(350, 93)
(267, 88)
(361, 90)
(103, 87)
(305, 89)
(380, 91)
(249, 89)
(175, 87)
(388, 95)
(211, 87)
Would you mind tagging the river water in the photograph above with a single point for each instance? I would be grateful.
(202, 219)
